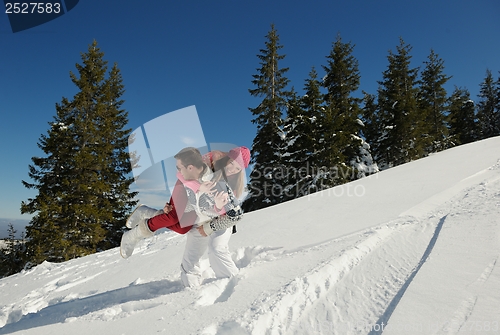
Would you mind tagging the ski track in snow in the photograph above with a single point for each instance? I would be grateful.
(294, 309)
(394, 302)
(458, 323)
(473, 200)
(314, 304)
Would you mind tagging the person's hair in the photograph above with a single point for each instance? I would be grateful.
(235, 181)
(190, 156)
(213, 157)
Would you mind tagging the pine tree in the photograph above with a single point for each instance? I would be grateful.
(371, 124)
(293, 150)
(11, 257)
(432, 105)
(83, 182)
(497, 86)
(304, 145)
(267, 181)
(462, 118)
(397, 111)
(487, 108)
(3, 257)
(340, 122)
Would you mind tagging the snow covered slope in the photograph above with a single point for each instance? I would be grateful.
(412, 250)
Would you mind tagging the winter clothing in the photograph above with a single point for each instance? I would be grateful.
(132, 237)
(232, 211)
(170, 220)
(218, 255)
(203, 204)
(142, 212)
(241, 155)
(190, 210)
(217, 242)
(177, 219)
(213, 156)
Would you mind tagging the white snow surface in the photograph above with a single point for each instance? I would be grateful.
(411, 250)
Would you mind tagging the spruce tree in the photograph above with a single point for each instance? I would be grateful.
(432, 106)
(83, 182)
(11, 257)
(341, 81)
(487, 108)
(293, 150)
(339, 122)
(497, 87)
(369, 116)
(304, 145)
(462, 117)
(397, 111)
(267, 178)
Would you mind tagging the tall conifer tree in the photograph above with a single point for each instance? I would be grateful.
(369, 116)
(83, 182)
(304, 143)
(339, 123)
(497, 87)
(397, 110)
(432, 106)
(266, 185)
(12, 256)
(487, 108)
(462, 117)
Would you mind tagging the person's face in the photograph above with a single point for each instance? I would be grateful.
(186, 171)
(232, 168)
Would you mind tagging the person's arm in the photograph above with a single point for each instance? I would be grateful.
(233, 213)
(221, 222)
(176, 219)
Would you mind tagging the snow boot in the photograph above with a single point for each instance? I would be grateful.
(132, 237)
(141, 213)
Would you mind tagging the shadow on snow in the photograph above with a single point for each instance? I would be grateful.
(60, 312)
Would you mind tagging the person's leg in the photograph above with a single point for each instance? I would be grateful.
(171, 221)
(132, 237)
(196, 245)
(140, 214)
(147, 227)
(219, 256)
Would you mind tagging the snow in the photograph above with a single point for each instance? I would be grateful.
(61, 125)
(410, 250)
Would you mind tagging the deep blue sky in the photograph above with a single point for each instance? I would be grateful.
(174, 54)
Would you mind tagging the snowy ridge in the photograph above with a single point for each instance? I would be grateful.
(409, 256)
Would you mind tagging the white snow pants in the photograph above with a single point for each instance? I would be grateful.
(218, 255)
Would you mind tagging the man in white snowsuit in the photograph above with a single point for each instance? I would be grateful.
(193, 172)
(194, 209)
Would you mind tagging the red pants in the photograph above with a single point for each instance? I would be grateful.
(171, 221)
